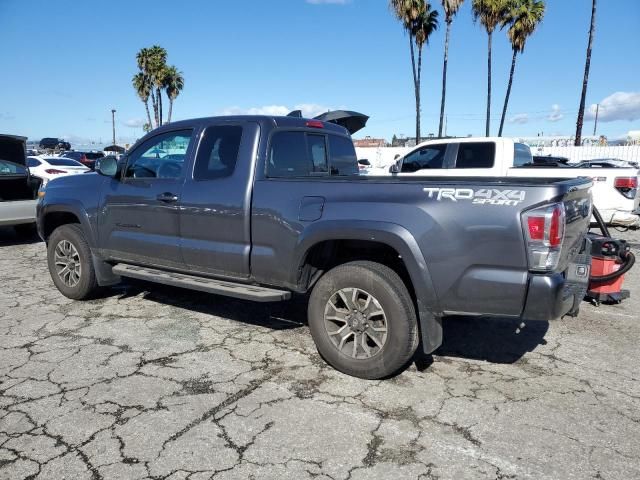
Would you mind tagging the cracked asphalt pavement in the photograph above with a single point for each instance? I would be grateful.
(154, 382)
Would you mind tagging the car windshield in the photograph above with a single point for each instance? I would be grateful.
(63, 162)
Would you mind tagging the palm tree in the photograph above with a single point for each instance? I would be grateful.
(450, 9)
(157, 67)
(142, 87)
(144, 59)
(490, 13)
(524, 16)
(585, 82)
(419, 21)
(174, 83)
(152, 63)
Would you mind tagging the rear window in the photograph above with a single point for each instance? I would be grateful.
(476, 155)
(63, 162)
(343, 156)
(300, 154)
(10, 168)
(93, 155)
(521, 155)
(218, 152)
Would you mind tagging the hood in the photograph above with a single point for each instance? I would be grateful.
(13, 149)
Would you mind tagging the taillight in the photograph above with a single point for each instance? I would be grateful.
(545, 232)
(627, 186)
(54, 171)
(556, 229)
(315, 124)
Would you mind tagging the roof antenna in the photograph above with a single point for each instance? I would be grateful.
(295, 113)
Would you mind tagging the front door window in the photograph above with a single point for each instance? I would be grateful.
(162, 156)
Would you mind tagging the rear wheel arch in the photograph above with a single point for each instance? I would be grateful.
(393, 238)
(378, 238)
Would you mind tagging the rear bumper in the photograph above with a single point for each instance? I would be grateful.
(555, 295)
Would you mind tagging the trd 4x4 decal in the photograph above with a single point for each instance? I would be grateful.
(483, 196)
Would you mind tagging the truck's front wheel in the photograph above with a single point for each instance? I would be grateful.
(362, 320)
(70, 265)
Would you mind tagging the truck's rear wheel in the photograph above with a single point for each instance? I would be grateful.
(362, 320)
(70, 265)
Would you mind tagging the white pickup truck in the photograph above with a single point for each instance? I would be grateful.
(615, 190)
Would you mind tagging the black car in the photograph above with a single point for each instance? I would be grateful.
(50, 143)
(88, 159)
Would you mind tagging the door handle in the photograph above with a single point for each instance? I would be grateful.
(167, 197)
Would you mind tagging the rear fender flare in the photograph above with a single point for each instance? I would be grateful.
(400, 239)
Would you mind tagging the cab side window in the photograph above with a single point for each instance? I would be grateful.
(297, 154)
(218, 152)
(430, 156)
(162, 156)
(476, 155)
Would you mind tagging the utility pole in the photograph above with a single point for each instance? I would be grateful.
(595, 125)
(113, 124)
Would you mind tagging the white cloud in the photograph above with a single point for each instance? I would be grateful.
(309, 110)
(327, 2)
(134, 122)
(555, 114)
(520, 118)
(617, 106)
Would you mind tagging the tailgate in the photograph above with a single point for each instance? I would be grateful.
(577, 206)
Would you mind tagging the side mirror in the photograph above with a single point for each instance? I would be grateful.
(107, 166)
(395, 168)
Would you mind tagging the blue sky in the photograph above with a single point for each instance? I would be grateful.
(67, 63)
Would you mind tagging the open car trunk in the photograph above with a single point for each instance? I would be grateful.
(15, 181)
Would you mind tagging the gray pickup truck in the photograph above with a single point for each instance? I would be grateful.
(261, 208)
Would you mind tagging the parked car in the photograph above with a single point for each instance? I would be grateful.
(364, 166)
(50, 143)
(88, 159)
(48, 167)
(615, 191)
(18, 189)
(261, 208)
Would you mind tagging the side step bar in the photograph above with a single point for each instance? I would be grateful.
(219, 287)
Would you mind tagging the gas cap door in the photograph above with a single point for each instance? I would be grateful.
(310, 209)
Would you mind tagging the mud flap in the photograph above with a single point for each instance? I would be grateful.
(104, 272)
(430, 329)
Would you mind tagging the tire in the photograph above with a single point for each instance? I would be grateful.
(363, 279)
(82, 284)
(25, 230)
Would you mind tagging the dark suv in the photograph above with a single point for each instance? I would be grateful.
(88, 159)
(50, 143)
